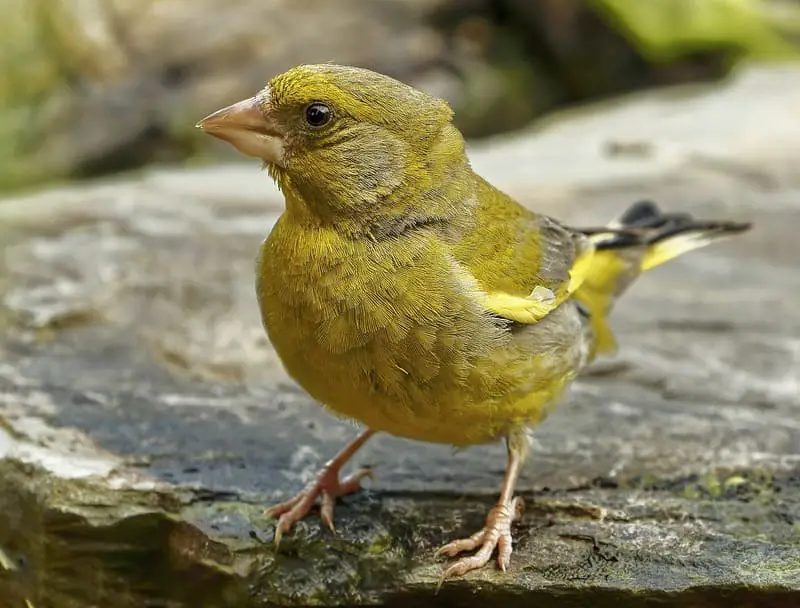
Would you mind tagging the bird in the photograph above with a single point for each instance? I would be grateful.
(404, 292)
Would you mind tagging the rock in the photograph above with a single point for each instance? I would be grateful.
(145, 421)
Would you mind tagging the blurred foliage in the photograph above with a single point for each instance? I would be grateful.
(99, 86)
(27, 74)
(665, 30)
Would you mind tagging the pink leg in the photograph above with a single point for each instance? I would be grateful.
(326, 485)
(496, 532)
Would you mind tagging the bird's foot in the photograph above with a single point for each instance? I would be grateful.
(496, 533)
(327, 486)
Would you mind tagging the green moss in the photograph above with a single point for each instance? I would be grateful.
(381, 545)
(784, 566)
(734, 481)
(719, 485)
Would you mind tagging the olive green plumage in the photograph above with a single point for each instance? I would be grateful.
(377, 285)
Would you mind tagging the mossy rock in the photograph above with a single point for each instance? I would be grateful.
(145, 421)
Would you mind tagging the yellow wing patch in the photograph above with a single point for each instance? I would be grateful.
(542, 301)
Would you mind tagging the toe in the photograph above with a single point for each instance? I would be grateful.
(504, 549)
(455, 547)
(467, 564)
(327, 487)
(302, 505)
(326, 511)
(281, 508)
(473, 562)
(284, 525)
(450, 550)
(496, 533)
(460, 568)
(352, 483)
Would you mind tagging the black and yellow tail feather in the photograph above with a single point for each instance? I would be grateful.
(642, 238)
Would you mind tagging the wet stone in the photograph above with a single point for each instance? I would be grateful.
(145, 421)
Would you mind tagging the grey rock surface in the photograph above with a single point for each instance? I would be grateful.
(145, 422)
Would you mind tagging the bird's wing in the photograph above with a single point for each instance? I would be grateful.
(527, 264)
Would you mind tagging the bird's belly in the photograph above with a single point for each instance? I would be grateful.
(408, 350)
(509, 386)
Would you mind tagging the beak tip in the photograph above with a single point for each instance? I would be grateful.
(247, 127)
(204, 122)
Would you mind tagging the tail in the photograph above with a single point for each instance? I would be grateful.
(642, 238)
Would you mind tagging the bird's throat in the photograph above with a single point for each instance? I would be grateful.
(381, 207)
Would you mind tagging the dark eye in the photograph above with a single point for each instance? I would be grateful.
(318, 114)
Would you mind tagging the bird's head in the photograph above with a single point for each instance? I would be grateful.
(344, 140)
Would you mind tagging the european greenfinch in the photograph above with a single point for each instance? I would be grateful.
(403, 291)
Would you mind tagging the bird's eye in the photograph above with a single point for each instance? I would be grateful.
(318, 114)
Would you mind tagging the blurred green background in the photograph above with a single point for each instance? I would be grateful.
(93, 87)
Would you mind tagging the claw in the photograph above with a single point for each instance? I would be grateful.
(496, 533)
(327, 487)
(278, 533)
(326, 511)
(455, 547)
(352, 482)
